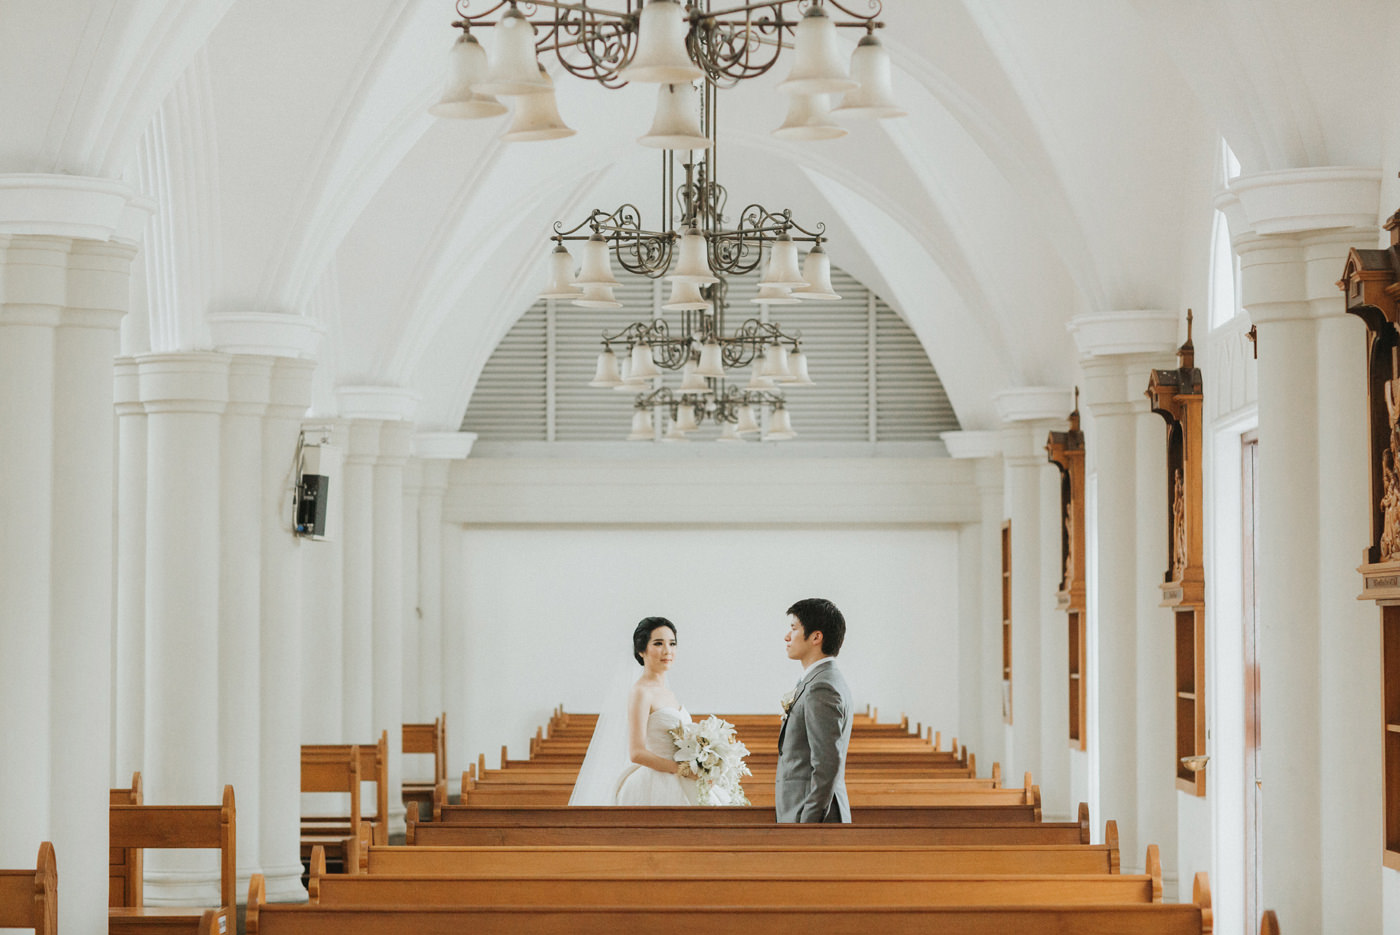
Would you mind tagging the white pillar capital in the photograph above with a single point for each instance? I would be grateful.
(1290, 201)
(274, 334)
(389, 403)
(71, 206)
(1034, 403)
(395, 442)
(126, 385)
(290, 390)
(1023, 443)
(1126, 332)
(437, 446)
(972, 445)
(1118, 385)
(195, 381)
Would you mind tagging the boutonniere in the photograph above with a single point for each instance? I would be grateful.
(787, 701)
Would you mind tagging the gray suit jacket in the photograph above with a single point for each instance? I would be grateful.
(812, 746)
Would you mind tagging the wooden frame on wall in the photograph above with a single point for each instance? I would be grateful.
(1066, 451)
(1371, 283)
(1177, 396)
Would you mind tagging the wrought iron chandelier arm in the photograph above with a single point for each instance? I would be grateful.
(529, 6)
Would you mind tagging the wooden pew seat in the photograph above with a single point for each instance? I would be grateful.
(177, 826)
(775, 919)
(29, 898)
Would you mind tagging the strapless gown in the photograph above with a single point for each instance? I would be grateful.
(641, 785)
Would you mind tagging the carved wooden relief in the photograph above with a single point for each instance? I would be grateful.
(1176, 395)
(1066, 451)
(1371, 282)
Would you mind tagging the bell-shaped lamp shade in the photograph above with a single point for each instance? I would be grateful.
(870, 65)
(537, 117)
(677, 122)
(467, 69)
(642, 427)
(597, 295)
(674, 433)
(809, 119)
(692, 383)
(693, 260)
(561, 275)
(747, 423)
(758, 383)
(514, 68)
(730, 433)
(685, 296)
(711, 360)
(661, 56)
(782, 265)
(597, 268)
(779, 426)
(816, 269)
(797, 366)
(685, 419)
(774, 295)
(818, 67)
(606, 376)
(643, 367)
(775, 364)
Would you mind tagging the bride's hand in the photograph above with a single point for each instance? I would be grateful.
(685, 771)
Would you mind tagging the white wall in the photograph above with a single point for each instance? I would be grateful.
(549, 613)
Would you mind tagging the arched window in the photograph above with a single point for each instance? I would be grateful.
(1224, 265)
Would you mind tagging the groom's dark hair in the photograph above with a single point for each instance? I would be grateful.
(642, 635)
(818, 615)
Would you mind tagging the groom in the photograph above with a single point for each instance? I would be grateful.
(816, 728)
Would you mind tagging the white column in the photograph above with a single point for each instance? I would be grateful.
(240, 579)
(388, 640)
(436, 451)
(1031, 412)
(1319, 680)
(64, 285)
(281, 615)
(456, 652)
(129, 649)
(357, 549)
(412, 611)
(184, 396)
(1119, 351)
(979, 604)
(390, 409)
(322, 600)
(1054, 774)
(1155, 645)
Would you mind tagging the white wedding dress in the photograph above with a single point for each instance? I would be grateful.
(641, 785)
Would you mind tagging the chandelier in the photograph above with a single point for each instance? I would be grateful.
(696, 251)
(671, 45)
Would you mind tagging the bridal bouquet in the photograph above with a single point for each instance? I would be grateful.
(716, 757)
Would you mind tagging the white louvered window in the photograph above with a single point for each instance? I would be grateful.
(873, 381)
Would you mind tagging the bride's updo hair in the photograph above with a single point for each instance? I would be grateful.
(642, 635)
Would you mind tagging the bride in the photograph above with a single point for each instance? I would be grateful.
(652, 710)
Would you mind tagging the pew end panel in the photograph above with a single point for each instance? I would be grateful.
(29, 898)
(1084, 821)
(182, 826)
(318, 870)
(1110, 837)
(1200, 897)
(1268, 923)
(1153, 866)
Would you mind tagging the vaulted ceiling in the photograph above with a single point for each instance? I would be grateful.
(1059, 159)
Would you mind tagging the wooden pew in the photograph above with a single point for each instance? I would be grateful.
(771, 919)
(124, 866)
(178, 826)
(761, 794)
(373, 759)
(331, 768)
(971, 877)
(29, 898)
(1062, 834)
(427, 739)
(883, 816)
